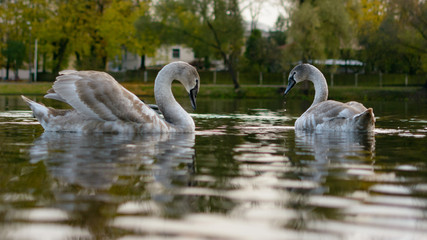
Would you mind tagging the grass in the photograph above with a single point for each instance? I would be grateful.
(341, 93)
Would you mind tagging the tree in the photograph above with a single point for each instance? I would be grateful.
(15, 54)
(397, 40)
(256, 51)
(208, 26)
(117, 27)
(71, 29)
(411, 18)
(319, 29)
(254, 7)
(16, 34)
(148, 35)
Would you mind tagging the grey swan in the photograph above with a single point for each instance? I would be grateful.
(101, 104)
(326, 114)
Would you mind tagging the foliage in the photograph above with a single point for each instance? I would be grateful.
(319, 29)
(387, 35)
(211, 27)
(398, 44)
(15, 54)
(119, 18)
(263, 54)
(149, 36)
(256, 53)
(91, 31)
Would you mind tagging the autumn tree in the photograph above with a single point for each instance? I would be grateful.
(410, 16)
(318, 29)
(210, 27)
(149, 35)
(117, 27)
(16, 34)
(92, 32)
(392, 35)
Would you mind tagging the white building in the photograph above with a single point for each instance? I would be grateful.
(164, 55)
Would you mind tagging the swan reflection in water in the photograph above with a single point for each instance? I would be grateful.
(97, 161)
(352, 152)
(95, 177)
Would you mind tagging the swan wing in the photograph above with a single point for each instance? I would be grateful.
(98, 95)
(356, 105)
(326, 112)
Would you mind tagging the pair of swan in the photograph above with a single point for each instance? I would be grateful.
(101, 104)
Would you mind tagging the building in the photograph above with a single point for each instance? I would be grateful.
(165, 54)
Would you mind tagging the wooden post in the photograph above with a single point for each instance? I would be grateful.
(332, 79)
(145, 76)
(35, 60)
(214, 77)
(381, 79)
(406, 80)
(260, 78)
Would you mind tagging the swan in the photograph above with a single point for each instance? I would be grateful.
(326, 114)
(101, 104)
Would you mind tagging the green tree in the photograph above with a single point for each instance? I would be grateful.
(149, 34)
(410, 16)
(15, 54)
(16, 34)
(93, 31)
(117, 27)
(318, 30)
(256, 51)
(398, 41)
(208, 26)
(69, 29)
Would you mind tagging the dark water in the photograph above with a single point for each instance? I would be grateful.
(245, 174)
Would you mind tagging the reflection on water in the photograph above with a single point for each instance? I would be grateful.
(87, 171)
(351, 150)
(96, 161)
(245, 174)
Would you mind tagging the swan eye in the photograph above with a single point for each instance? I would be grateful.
(293, 75)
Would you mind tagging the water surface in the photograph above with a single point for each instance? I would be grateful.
(245, 174)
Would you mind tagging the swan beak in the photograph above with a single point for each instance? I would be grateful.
(193, 95)
(291, 84)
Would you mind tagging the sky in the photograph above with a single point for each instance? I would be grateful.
(269, 12)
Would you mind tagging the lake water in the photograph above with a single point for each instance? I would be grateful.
(245, 174)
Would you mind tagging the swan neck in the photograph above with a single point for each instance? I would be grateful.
(320, 87)
(170, 108)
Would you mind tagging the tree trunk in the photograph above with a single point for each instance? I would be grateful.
(44, 62)
(233, 74)
(58, 56)
(229, 63)
(16, 73)
(7, 69)
(78, 60)
(142, 66)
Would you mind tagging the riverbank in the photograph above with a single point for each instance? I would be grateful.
(342, 93)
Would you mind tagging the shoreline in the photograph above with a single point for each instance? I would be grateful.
(340, 93)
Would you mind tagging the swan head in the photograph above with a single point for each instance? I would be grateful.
(183, 72)
(298, 74)
(189, 77)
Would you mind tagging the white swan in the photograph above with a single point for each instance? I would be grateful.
(326, 114)
(101, 104)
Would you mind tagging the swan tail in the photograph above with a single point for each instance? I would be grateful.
(40, 111)
(365, 121)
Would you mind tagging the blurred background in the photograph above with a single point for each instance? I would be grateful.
(242, 40)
